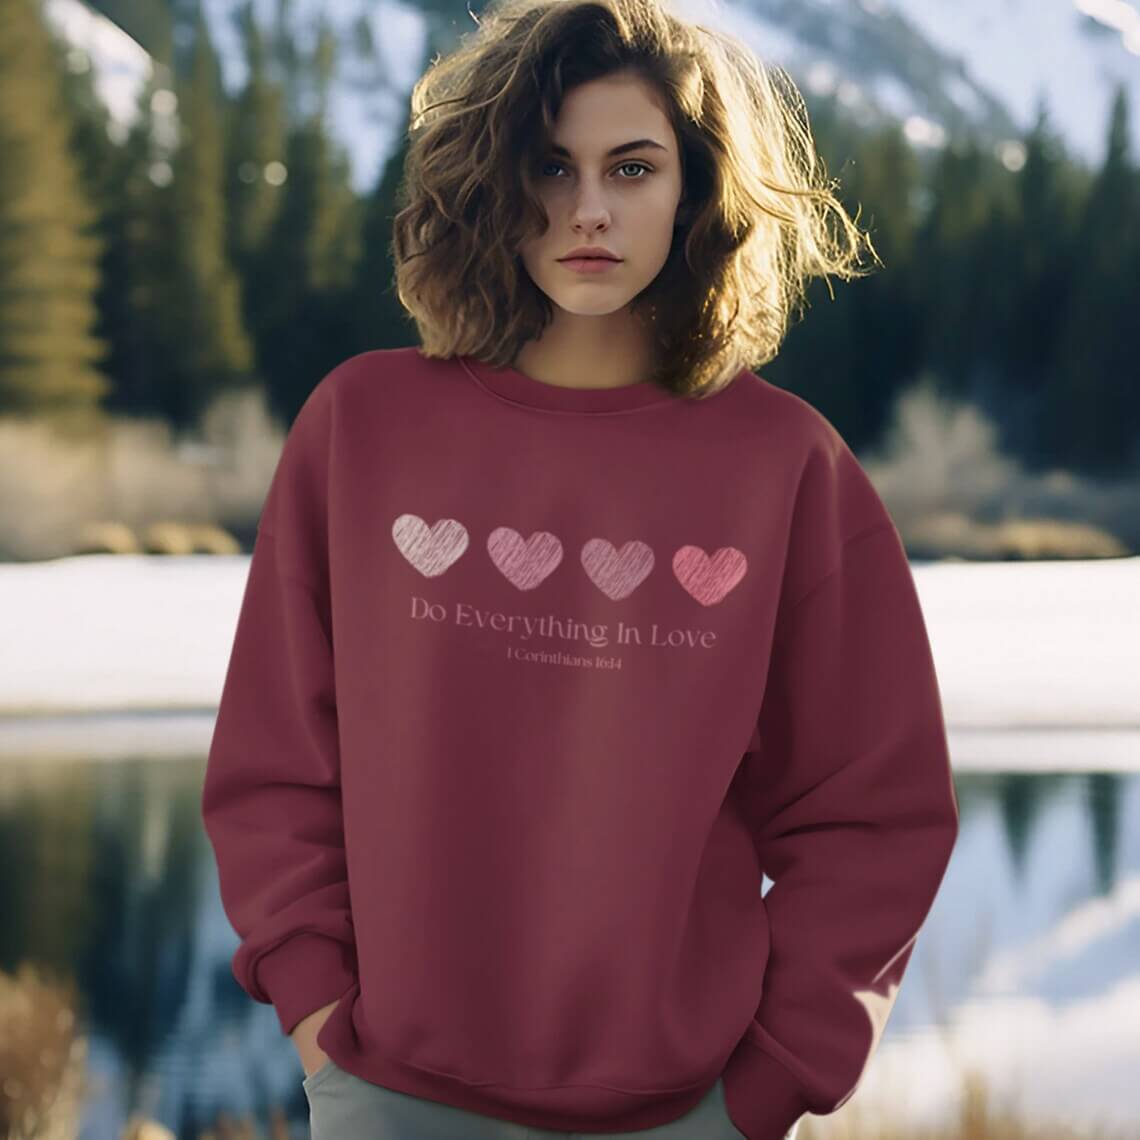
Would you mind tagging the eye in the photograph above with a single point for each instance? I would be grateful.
(641, 165)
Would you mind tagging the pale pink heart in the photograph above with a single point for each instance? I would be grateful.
(616, 573)
(524, 563)
(431, 550)
(709, 579)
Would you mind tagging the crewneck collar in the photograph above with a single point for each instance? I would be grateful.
(520, 388)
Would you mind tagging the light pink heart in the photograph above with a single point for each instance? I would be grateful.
(709, 579)
(616, 573)
(524, 563)
(431, 550)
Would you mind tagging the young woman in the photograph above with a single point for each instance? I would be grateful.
(565, 627)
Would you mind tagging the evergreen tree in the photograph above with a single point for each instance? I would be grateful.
(815, 357)
(109, 169)
(206, 348)
(140, 222)
(884, 306)
(824, 357)
(255, 142)
(306, 270)
(949, 272)
(379, 320)
(1028, 249)
(49, 250)
(1092, 413)
(1014, 285)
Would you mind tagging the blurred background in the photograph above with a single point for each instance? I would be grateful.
(195, 209)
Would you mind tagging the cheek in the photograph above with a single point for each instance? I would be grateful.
(535, 243)
(529, 255)
(528, 246)
(656, 209)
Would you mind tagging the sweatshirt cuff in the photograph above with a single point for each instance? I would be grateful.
(763, 1098)
(303, 974)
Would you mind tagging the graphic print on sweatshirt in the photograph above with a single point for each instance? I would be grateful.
(617, 572)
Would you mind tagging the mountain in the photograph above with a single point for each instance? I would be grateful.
(977, 66)
(1070, 53)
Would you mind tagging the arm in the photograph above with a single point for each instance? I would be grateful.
(851, 800)
(271, 801)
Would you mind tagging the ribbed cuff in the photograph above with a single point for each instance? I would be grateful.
(305, 973)
(764, 1100)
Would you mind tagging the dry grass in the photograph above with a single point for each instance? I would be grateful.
(42, 1058)
(128, 486)
(953, 493)
(981, 1116)
(42, 1086)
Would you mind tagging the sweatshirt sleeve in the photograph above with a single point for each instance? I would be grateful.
(850, 796)
(271, 801)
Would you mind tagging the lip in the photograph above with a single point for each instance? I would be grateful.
(589, 264)
(580, 251)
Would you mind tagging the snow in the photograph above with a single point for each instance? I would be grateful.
(1071, 53)
(1038, 662)
(1021, 50)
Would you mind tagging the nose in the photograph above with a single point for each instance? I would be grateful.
(590, 208)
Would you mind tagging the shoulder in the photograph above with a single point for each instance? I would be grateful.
(782, 411)
(377, 372)
(832, 491)
(807, 445)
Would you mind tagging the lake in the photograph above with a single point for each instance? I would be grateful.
(1028, 966)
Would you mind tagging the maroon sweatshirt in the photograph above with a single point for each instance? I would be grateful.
(529, 688)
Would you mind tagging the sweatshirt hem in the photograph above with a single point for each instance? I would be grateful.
(583, 1107)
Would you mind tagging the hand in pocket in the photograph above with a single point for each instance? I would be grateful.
(304, 1037)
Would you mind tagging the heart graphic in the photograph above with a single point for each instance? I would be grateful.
(431, 550)
(616, 573)
(524, 563)
(709, 579)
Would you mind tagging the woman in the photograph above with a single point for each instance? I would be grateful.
(565, 628)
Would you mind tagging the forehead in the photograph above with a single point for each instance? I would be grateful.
(604, 114)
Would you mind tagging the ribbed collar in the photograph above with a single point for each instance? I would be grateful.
(520, 388)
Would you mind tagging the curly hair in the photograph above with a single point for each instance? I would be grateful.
(753, 223)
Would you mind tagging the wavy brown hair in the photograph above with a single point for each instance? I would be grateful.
(754, 223)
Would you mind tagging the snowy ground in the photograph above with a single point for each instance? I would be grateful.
(1038, 662)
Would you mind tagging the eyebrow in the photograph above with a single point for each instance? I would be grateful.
(637, 144)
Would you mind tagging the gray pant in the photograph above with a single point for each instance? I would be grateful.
(342, 1106)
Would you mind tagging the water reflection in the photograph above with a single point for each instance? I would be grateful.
(108, 876)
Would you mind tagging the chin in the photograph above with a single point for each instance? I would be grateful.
(601, 309)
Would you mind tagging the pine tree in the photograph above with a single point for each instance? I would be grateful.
(1092, 412)
(883, 308)
(206, 345)
(137, 265)
(949, 260)
(112, 169)
(255, 145)
(1033, 263)
(379, 320)
(304, 278)
(49, 252)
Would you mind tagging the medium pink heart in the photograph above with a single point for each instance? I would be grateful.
(431, 550)
(524, 563)
(616, 573)
(709, 579)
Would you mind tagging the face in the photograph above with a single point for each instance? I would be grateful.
(625, 202)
